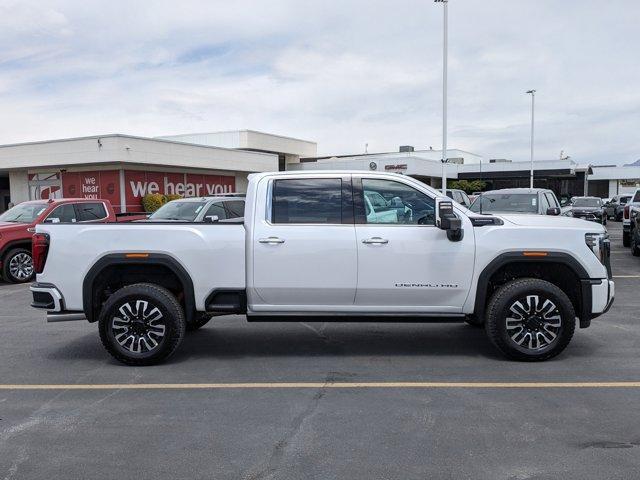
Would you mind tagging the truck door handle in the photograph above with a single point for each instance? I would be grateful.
(376, 240)
(271, 240)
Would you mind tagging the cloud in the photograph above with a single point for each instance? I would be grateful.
(341, 73)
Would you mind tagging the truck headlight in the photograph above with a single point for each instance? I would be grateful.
(599, 244)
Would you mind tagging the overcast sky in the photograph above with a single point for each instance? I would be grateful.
(342, 73)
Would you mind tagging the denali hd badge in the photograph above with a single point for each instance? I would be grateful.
(426, 285)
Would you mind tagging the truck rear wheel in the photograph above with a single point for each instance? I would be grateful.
(530, 319)
(141, 324)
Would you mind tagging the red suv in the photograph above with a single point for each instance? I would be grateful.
(17, 227)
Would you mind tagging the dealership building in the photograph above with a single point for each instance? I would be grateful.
(564, 176)
(124, 168)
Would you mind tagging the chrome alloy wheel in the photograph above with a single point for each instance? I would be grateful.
(533, 322)
(139, 328)
(21, 266)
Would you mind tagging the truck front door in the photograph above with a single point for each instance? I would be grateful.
(304, 252)
(405, 263)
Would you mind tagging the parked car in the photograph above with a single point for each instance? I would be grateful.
(615, 207)
(202, 209)
(536, 201)
(588, 208)
(308, 250)
(459, 196)
(17, 226)
(634, 233)
(633, 203)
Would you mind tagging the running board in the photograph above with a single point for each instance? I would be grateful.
(358, 318)
(65, 316)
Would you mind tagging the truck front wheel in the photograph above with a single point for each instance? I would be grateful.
(530, 319)
(141, 324)
(17, 266)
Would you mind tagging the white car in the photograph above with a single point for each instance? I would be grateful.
(310, 249)
(200, 209)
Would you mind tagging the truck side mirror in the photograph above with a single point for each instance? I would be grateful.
(447, 220)
(553, 211)
(211, 219)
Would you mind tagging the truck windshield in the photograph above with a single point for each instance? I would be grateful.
(178, 211)
(506, 203)
(23, 213)
(587, 202)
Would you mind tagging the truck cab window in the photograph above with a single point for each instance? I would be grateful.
(307, 200)
(234, 208)
(63, 214)
(91, 212)
(216, 209)
(391, 202)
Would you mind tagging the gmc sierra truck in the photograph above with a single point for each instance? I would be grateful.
(315, 247)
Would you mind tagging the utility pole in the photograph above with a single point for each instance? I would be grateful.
(444, 94)
(533, 109)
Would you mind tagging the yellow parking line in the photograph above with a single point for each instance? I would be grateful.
(303, 385)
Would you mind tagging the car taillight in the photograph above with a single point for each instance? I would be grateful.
(39, 250)
(626, 212)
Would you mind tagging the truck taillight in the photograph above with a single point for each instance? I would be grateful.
(39, 250)
(626, 212)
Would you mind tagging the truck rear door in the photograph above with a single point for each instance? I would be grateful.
(304, 250)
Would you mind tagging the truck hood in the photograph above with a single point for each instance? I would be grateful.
(552, 221)
(13, 227)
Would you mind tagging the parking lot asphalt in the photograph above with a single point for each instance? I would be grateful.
(282, 431)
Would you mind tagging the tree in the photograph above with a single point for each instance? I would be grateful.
(469, 186)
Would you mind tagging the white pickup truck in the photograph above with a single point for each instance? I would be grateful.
(329, 246)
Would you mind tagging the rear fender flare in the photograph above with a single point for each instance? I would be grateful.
(172, 264)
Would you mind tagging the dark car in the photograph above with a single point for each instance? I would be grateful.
(536, 201)
(615, 207)
(588, 208)
(634, 234)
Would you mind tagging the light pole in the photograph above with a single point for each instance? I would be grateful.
(444, 95)
(533, 109)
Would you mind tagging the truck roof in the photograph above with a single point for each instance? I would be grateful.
(57, 201)
(518, 190)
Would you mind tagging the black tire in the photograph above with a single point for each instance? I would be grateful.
(166, 330)
(200, 321)
(626, 240)
(635, 244)
(17, 266)
(557, 320)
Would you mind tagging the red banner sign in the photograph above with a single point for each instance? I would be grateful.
(106, 184)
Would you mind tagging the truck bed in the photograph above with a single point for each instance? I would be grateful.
(82, 245)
